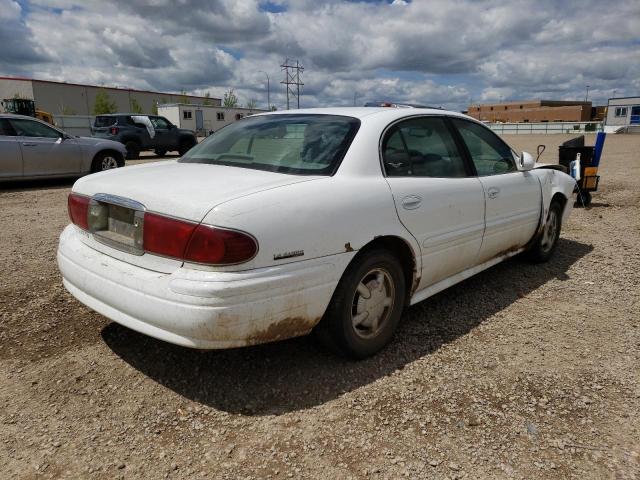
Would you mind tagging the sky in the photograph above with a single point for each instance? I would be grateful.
(439, 53)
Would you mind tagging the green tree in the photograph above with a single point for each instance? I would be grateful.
(66, 110)
(207, 99)
(104, 104)
(230, 99)
(135, 106)
(154, 108)
(252, 103)
(273, 108)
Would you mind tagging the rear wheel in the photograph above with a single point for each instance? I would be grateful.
(366, 307)
(185, 146)
(106, 161)
(133, 150)
(547, 242)
(160, 152)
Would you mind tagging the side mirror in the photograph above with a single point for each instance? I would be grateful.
(526, 162)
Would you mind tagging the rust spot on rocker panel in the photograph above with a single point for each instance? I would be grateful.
(507, 251)
(285, 328)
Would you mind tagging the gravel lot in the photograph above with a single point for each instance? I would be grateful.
(523, 371)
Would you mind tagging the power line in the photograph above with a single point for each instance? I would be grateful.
(291, 80)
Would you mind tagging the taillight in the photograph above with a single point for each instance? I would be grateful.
(220, 247)
(196, 243)
(113, 130)
(78, 206)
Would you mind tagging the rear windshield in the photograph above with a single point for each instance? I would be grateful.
(296, 144)
(105, 121)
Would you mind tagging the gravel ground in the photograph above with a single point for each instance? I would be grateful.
(524, 371)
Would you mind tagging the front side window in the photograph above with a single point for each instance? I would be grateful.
(159, 123)
(29, 128)
(490, 155)
(421, 147)
(288, 143)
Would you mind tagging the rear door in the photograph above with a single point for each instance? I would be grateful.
(513, 198)
(10, 155)
(45, 151)
(436, 198)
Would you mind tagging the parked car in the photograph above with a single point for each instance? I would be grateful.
(31, 148)
(143, 132)
(326, 219)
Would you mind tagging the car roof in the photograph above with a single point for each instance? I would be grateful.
(363, 112)
(13, 115)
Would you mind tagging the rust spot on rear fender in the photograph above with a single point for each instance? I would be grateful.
(286, 328)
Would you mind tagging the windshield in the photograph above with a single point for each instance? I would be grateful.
(297, 144)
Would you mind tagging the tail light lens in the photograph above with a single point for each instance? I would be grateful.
(113, 130)
(78, 206)
(196, 243)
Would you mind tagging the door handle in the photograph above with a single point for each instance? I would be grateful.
(29, 144)
(493, 192)
(411, 202)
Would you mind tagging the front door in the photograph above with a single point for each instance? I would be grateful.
(45, 151)
(164, 135)
(513, 198)
(436, 199)
(10, 156)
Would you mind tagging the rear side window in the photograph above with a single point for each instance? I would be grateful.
(421, 147)
(287, 143)
(5, 128)
(103, 121)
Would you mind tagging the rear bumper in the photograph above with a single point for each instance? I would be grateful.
(201, 309)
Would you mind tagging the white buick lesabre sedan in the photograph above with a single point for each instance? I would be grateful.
(327, 219)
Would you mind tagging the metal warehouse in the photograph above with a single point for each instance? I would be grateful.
(59, 98)
(203, 118)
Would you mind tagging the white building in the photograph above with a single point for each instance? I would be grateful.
(203, 118)
(623, 113)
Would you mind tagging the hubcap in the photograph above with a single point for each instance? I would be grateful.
(109, 163)
(550, 231)
(372, 303)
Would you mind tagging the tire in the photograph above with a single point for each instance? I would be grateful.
(160, 152)
(380, 274)
(584, 199)
(547, 241)
(185, 146)
(106, 161)
(133, 150)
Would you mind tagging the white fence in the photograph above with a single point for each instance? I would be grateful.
(546, 127)
(75, 124)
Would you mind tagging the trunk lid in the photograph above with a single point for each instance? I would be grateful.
(183, 190)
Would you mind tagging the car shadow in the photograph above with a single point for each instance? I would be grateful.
(45, 183)
(296, 374)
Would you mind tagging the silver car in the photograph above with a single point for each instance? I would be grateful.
(31, 148)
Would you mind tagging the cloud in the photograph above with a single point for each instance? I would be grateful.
(437, 52)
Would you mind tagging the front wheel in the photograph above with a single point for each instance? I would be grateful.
(106, 161)
(547, 241)
(366, 307)
(185, 146)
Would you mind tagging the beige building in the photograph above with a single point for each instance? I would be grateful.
(61, 98)
(204, 118)
(532, 111)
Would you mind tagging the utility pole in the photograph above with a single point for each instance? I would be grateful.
(268, 90)
(292, 80)
(355, 97)
(587, 94)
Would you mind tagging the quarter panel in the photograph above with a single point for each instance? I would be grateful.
(313, 219)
